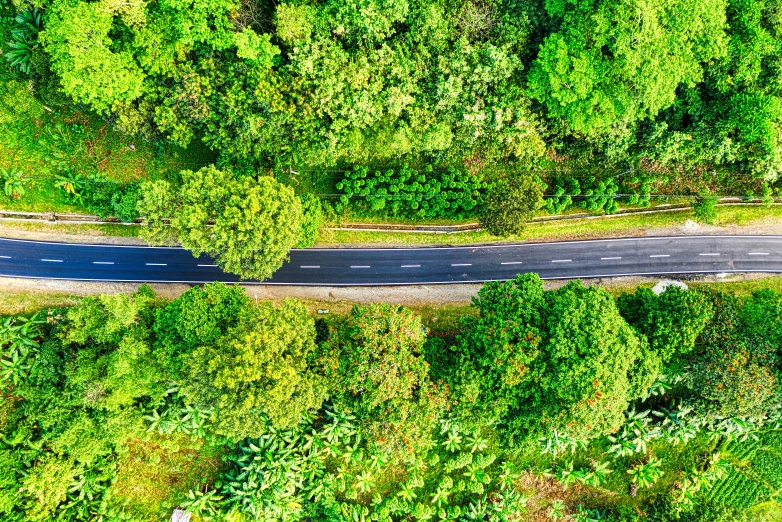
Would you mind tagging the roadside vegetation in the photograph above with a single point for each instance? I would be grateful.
(463, 110)
(580, 406)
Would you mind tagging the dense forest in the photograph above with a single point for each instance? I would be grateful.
(691, 82)
(544, 405)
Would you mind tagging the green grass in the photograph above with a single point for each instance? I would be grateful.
(155, 475)
(42, 142)
(13, 303)
(586, 228)
(69, 232)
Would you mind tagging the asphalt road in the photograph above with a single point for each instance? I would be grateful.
(348, 267)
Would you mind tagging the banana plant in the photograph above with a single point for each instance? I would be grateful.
(645, 475)
(557, 443)
(13, 183)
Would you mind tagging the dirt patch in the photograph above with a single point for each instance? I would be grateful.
(339, 299)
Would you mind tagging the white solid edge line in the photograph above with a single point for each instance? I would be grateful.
(606, 258)
(512, 263)
(582, 276)
(206, 265)
(309, 266)
(103, 262)
(156, 264)
(709, 254)
(561, 260)
(658, 238)
(660, 255)
(52, 260)
(410, 266)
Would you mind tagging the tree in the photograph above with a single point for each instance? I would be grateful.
(200, 316)
(511, 204)
(672, 321)
(246, 224)
(91, 72)
(372, 362)
(539, 361)
(612, 64)
(257, 369)
(114, 365)
(312, 220)
(736, 378)
(762, 313)
(733, 373)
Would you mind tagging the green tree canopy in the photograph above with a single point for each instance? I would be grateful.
(372, 362)
(563, 359)
(200, 316)
(114, 365)
(733, 373)
(611, 64)
(91, 71)
(672, 321)
(246, 224)
(258, 368)
(511, 204)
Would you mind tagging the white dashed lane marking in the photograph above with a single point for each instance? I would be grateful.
(360, 266)
(5, 257)
(461, 264)
(157, 264)
(709, 254)
(561, 260)
(207, 265)
(607, 258)
(660, 255)
(757, 254)
(512, 263)
(52, 260)
(309, 266)
(410, 266)
(103, 262)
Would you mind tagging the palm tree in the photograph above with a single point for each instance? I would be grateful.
(13, 183)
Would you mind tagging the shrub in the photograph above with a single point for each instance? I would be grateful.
(410, 193)
(312, 214)
(705, 207)
(510, 204)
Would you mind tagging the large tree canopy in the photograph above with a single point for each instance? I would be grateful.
(248, 224)
(372, 362)
(563, 359)
(613, 63)
(258, 368)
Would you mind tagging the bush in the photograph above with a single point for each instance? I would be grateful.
(705, 207)
(410, 193)
(123, 203)
(510, 204)
(312, 213)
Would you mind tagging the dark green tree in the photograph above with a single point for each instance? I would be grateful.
(510, 204)
(562, 359)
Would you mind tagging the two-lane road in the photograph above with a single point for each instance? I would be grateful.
(346, 267)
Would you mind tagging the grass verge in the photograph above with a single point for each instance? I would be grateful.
(587, 228)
